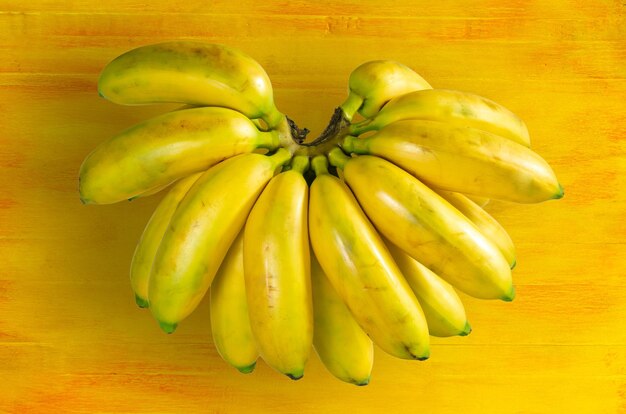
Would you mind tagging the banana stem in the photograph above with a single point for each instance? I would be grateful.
(300, 163)
(351, 105)
(352, 144)
(337, 158)
(273, 118)
(320, 165)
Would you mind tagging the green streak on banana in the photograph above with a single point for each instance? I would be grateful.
(465, 160)
(194, 73)
(426, 227)
(442, 307)
(277, 274)
(362, 271)
(487, 225)
(452, 107)
(156, 152)
(344, 349)
(374, 83)
(230, 322)
(201, 231)
(146, 249)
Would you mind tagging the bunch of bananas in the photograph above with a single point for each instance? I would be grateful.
(358, 237)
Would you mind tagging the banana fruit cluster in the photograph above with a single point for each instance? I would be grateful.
(361, 237)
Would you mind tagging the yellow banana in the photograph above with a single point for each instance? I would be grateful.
(374, 83)
(230, 322)
(146, 249)
(426, 227)
(487, 225)
(442, 307)
(361, 269)
(201, 231)
(156, 152)
(344, 349)
(452, 107)
(277, 272)
(462, 159)
(193, 73)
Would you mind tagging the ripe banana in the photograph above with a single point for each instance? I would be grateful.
(374, 83)
(361, 269)
(201, 231)
(193, 73)
(156, 152)
(230, 322)
(277, 272)
(452, 107)
(442, 307)
(146, 249)
(465, 160)
(487, 225)
(426, 227)
(344, 349)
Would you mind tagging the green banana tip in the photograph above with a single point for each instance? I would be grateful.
(295, 376)
(141, 302)
(560, 193)
(510, 295)
(466, 330)
(168, 328)
(513, 264)
(247, 369)
(362, 383)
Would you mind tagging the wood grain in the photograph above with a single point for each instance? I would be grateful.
(72, 339)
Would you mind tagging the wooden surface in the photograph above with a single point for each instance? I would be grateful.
(71, 337)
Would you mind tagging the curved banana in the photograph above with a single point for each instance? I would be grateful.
(374, 83)
(361, 269)
(452, 107)
(146, 249)
(201, 231)
(344, 349)
(194, 73)
(465, 160)
(156, 152)
(277, 272)
(487, 225)
(230, 323)
(426, 227)
(442, 307)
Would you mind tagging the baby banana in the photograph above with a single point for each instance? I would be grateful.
(193, 73)
(344, 349)
(452, 107)
(141, 264)
(487, 225)
(442, 307)
(201, 231)
(361, 269)
(230, 322)
(374, 83)
(156, 152)
(277, 272)
(426, 227)
(462, 159)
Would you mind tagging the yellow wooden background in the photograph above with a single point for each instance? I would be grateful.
(71, 337)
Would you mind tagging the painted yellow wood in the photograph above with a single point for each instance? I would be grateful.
(71, 337)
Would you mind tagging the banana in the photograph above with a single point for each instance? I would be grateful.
(374, 83)
(277, 272)
(146, 249)
(194, 73)
(156, 152)
(426, 227)
(230, 322)
(452, 107)
(488, 225)
(344, 349)
(442, 307)
(201, 231)
(465, 160)
(361, 269)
